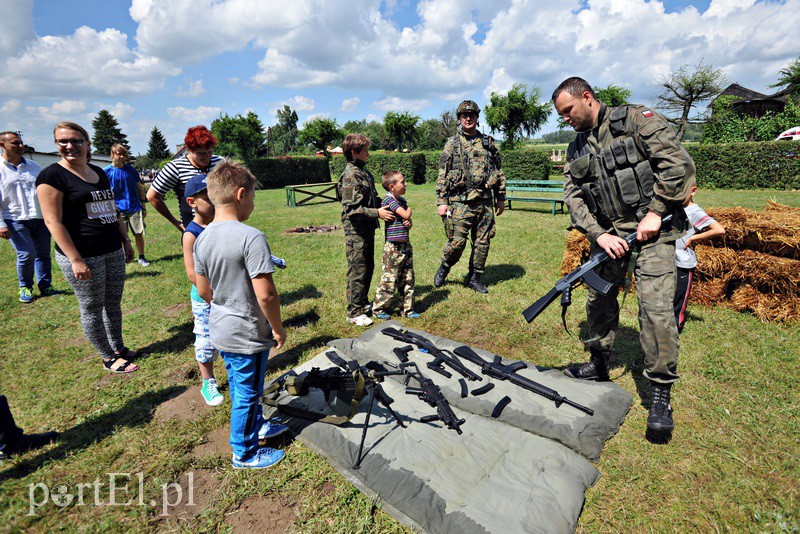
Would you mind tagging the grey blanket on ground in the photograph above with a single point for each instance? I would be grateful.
(525, 471)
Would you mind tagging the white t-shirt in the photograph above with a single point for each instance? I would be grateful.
(685, 258)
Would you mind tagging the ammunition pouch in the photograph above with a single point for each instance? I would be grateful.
(343, 393)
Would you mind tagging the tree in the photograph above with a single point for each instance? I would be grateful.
(320, 132)
(157, 148)
(239, 137)
(516, 112)
(401, 129)
(560, 136)
(613, 95)
(283, 136)
(107, 133)
(790, 77)
(685, 88)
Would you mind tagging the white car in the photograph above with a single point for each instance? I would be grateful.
(792, 134)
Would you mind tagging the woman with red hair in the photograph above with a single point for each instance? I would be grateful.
(199, 159)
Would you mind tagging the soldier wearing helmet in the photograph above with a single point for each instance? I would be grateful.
(470, 182)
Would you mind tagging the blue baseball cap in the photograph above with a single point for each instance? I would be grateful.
(195, 184)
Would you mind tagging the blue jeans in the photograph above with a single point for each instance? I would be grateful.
(31, 241)
(246, 382)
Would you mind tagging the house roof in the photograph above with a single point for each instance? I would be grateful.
(744, 93)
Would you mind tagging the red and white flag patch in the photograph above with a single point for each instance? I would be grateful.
(647, 113)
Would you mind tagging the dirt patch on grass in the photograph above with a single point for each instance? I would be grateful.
(198, 489)
(187, 405)
(176, 309)
(110, 378)
(263, 514)
(217, 443)
(321, 229)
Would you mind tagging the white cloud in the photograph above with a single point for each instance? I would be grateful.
(193, 88)
(16, 26)
(500, 83)
(198, 115)
(316, 116)
(87, 63)
(394, 103)
(350, 104)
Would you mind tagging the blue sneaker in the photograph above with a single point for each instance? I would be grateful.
(271, 428)
(412, 315)
(383, 316)
(25, 295)
(263, 458)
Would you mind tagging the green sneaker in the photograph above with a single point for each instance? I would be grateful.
(25, 295)
(210, 393)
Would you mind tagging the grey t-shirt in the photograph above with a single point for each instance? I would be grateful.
(230, 254)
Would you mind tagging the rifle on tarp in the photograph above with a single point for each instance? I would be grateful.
(433, 396)
(584, 273)
(440, 356)
(495, 369)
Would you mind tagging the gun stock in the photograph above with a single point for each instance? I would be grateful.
(533, 311)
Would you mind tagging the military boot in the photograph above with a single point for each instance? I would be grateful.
(595, 369)
(659, 421)
(441, 274)
(475, 283)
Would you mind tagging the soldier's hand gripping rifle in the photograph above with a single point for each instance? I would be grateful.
(431, 394)
(584, 273)
(495, 369)
(440, 356)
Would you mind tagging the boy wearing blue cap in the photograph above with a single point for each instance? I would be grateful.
(197, 197)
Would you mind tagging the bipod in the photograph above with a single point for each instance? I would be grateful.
(373, 374)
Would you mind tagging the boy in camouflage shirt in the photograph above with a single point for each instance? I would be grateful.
(398, 256)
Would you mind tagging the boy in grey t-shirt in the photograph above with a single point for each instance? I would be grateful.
(234, 274)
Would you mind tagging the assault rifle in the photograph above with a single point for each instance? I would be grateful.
(431, 394)
(440, 356)
(584, 273)
(495, 369)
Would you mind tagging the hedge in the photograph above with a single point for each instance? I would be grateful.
(517, 165)
(748, 165)
(273, 173)
(411, 164)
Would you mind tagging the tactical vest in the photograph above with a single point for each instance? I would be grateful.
(463, 182)
(617, 182)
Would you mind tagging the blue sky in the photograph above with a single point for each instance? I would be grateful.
(177, 63)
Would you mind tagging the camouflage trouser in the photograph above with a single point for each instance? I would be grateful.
(398, 275)
(655, 287)
(360, 252)
(473, 219)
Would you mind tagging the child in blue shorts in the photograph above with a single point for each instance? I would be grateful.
(233, 268)
(197, 197)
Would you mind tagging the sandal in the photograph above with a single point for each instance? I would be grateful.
(132, 355)
(119, 365)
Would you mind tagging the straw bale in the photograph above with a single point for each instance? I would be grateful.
(577, 248)
(776, 230)
(713, 262)
(709, 292)
(766, 306)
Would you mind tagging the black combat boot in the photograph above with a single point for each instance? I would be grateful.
(475, 283)
(595, 369)
(659, 421)
(441, 274)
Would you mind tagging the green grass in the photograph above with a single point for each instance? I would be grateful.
(734, 463)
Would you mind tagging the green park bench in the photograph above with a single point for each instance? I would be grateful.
(325, 192)
(530, 191)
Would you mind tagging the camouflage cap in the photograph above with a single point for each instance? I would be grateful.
(466, 106)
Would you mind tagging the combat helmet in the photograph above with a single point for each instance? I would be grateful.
(466, 106)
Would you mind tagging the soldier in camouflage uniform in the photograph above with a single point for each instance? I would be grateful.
(625, 172)
(360, 213)
(470, 181)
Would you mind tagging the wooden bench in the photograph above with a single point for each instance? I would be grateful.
(520, 190)
(325, 191)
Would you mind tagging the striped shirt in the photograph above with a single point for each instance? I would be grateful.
(173, 177)
(395, 231)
